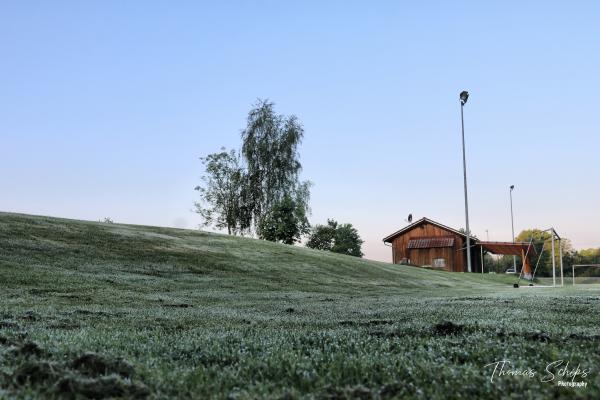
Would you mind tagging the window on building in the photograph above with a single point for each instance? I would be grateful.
(439, 263)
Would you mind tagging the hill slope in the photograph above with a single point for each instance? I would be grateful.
(130, 253)
(107, 310)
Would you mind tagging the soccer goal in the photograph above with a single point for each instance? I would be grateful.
(586, 274)
(555, 250)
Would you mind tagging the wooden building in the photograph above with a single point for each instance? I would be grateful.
(427, 243)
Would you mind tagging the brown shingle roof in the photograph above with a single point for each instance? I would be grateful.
(391, 237)
(427, 243)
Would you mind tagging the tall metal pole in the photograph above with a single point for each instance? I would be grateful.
(553, 261)
(462, 121)
(512, 222)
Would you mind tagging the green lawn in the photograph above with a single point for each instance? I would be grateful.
(108, 310)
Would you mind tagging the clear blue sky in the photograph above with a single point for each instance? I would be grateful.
(106, 106)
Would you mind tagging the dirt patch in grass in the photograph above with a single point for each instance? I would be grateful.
(31, 316)
(346, 393)
(40, 292)
(178, 305)
(8, 324)
(583, 337)
(95, 313)
(36, 372)
(372, 322)
(65, 323)
(89, 375)
(29, 349)
(96, 364)
(104, 387)
(387, 334)
(445, 328)
(4, 341)
(73, 296)
(538, 336)
(375, 322)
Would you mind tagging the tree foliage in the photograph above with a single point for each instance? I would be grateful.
(585, 257)
(347, 241)
(588, 256)
(241, 190)
(343, 239)
(223, 196)
(542, 238)
(322, 237)
(270, 149)
(285, 222)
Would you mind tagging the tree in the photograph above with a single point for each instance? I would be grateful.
(270, 150)
(347, 241)
(588, 256)
(223, 199)
(323, 236)
(583, 256)
(285, 222)
(544, 237)
(242, 189)
(343, 239)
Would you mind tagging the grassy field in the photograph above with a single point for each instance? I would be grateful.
(107, 310)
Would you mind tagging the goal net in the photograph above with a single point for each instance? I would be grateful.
(586, 274)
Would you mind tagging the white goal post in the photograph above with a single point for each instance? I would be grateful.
(574, 266)
(556, 241)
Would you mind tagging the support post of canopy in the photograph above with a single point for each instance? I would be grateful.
(562, 280)
(481, 247)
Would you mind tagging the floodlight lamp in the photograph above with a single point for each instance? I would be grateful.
(512, 187)
(464, 96)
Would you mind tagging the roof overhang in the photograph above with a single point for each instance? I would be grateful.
(388, 239)
(509, 248)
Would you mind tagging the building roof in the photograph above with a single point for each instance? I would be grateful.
(388, 239)
(431, 242)
(509, 248)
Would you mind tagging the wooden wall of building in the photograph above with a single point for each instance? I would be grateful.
(454, 256)
(426, 256)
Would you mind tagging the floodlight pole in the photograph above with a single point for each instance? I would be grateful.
(553, 261)
(512, 222)
(463, 99)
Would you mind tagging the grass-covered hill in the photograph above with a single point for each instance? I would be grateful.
(107, 310)
(90, 256)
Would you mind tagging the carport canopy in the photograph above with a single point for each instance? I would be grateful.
(508, 248)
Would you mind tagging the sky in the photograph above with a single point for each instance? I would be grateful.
(106, 107)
